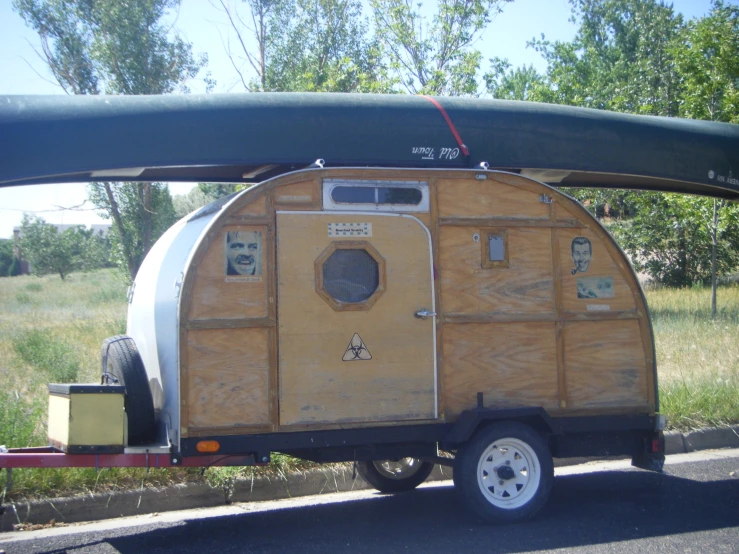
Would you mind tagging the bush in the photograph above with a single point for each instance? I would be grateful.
(6, 256)
(41, 350)
(15, 268)
(18, 420)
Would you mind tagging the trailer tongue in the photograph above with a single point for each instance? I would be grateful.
(48, 457)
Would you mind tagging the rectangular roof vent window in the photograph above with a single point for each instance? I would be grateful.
(380, 196)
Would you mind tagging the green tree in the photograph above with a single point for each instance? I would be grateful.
(671, 238)
(6, 256)
(304, 45)
(214, 191)
(96, 46)
(521, 83)
(707, 60)
(184, 204)
(140, 215)
(437, 57)
(15, 267)
(49, 250)
(621, 58)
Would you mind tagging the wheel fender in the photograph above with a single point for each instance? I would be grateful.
(470, 421)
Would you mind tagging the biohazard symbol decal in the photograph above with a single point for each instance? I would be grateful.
(356, 350)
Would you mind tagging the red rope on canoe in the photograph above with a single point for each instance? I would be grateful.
(448, 119)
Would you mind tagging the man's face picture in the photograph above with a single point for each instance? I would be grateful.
(582, 253)
(243, 253)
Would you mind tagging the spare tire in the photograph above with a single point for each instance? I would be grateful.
(122, 365)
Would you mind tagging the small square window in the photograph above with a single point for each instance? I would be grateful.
(494, 248)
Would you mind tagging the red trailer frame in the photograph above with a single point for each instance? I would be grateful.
(46, 457)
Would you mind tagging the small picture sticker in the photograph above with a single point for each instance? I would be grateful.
(349, 229)
(582, 254)
(242, 253)
(595, 287)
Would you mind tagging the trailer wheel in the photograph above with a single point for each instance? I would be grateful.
(504, 473)
(122, 365)
(395, 475)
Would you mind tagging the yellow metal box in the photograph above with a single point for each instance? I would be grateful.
(87, 418)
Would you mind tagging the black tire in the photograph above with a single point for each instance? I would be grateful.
(504, 473)
(390, 476)
(122, 365)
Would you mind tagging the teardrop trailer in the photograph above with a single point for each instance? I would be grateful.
(424, 288)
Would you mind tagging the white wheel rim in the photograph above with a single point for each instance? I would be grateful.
(508, 473)
(398, 469)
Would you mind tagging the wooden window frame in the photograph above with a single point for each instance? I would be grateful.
(338, 305)
(485, 235)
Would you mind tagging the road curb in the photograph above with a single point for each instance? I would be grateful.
(94, 507)
(322, 480)
(702, 439)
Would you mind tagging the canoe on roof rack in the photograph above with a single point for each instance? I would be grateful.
(252, 137)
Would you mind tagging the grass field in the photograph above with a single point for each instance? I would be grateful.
(51, 331)
(697, 357)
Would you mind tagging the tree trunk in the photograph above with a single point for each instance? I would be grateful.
(125, 242)
(147, 219)
(714, 233)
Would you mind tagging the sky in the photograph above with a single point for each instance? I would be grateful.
(23, 72)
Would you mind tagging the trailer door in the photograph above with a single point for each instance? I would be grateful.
(356, 318)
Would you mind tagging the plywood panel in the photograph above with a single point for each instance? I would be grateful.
(228, 379)
(512, 364)
(526, 286)
(258, 206)
(300, 196)
(217, 295)
(471, 198)
(316, 385)
(602, 271)
(605, 365)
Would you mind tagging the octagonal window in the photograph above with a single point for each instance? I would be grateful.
(350, 275)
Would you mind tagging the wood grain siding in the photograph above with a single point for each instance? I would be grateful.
(512, 364)
(228, 378)
(526, 286)
(489, 198)
(253, 360)
(602, 265)
(304, 195)
(316, 385)
(214, 298)
(257, 206)
(605, 365)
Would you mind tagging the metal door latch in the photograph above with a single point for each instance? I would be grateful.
(424, 313)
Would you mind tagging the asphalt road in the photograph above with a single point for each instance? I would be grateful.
(693, 507)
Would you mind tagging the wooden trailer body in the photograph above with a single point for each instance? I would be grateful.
(273, 351)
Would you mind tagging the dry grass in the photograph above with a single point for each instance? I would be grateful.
(697, 357)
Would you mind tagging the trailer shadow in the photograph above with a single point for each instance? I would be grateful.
(590, 509)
